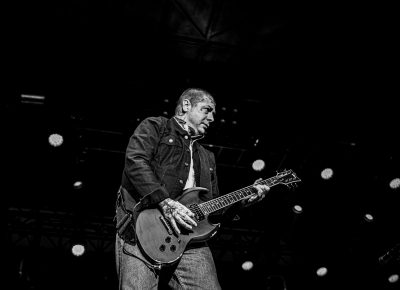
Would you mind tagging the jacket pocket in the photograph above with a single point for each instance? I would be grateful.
(169, 150)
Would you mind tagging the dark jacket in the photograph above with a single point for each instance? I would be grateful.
(157, 163)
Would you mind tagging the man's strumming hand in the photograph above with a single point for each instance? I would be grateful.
(177, 214)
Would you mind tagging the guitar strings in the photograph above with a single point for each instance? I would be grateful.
(222, 201)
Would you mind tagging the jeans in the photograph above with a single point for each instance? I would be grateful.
(195, 270)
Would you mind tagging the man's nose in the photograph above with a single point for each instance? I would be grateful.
(210, 117)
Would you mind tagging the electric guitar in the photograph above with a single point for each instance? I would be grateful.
(163, 246)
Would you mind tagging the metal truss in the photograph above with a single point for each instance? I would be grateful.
(55, 229)
(58, 229)
(237, 244)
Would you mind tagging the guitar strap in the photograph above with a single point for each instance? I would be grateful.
(123, 218)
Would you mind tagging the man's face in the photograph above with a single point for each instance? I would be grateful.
(201, 115)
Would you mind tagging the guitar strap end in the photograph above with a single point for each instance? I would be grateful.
(124, 226)
(123, 220)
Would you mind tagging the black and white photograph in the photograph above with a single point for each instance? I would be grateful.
(226, 144)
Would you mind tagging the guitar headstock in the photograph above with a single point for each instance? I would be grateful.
(287, 177)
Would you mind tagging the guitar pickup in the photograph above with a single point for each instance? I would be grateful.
(166, 225)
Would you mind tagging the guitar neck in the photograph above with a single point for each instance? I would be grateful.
(233, 197)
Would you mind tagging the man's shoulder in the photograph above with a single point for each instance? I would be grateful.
(156, 119)
(159, 121)
(206, 149)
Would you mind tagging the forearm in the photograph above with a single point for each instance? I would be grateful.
(139, 169)
(145, 183)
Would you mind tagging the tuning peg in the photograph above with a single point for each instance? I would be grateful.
(291, 185)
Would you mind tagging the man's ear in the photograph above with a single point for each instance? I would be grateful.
(186, 105)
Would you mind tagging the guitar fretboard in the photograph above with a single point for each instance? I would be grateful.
(233, 197)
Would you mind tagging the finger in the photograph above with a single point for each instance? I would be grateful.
(190, 220)
(247, 199)
(187, 215)
(257, 181)
(175, 226)
(190, 213)
(252, 197)
(183, 223)
(184, 210)
(259, 189)
(262, 188)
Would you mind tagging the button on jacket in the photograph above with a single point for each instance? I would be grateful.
(156, 164)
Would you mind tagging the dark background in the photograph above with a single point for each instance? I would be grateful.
(304, 86)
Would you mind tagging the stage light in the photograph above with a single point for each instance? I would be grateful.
(32, 99)
(78, 184)
(395, 183)
(327, 173)
(78, 250)
(393, 278)
(322, 271)
(297, 209)
(56, 140)
(368, 217)
(247, 265)
(258, 165)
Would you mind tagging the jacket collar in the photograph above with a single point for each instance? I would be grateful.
(187, 129)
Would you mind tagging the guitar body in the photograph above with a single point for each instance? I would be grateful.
(157, 239)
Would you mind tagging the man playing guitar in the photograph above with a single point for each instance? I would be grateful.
(169, 186)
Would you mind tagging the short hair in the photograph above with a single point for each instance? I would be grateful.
(194, 95)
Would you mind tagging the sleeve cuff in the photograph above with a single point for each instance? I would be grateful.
(153, 198)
